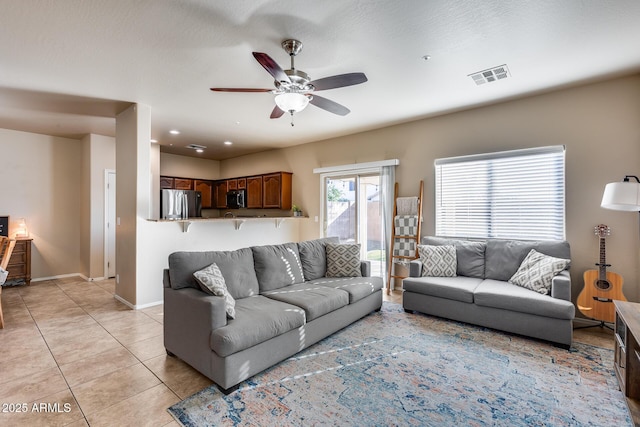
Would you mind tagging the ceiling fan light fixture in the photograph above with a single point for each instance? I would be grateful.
(291, 101)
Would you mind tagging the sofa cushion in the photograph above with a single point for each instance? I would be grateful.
(503, 257)
(438, 261)
(537, 270)
(504, 295)
(470, 254)
(277, 266)
(454, 288)
(212, 282)
(343, 260)
(315, 300)
(313, 256)
(357, 287)
(258, 319)
(236, 268)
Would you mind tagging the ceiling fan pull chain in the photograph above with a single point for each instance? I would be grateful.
(291, 112)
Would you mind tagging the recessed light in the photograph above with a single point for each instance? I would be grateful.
(154, 140)
(174, 132)
(228, 143)
(199, 150)
(426, 57)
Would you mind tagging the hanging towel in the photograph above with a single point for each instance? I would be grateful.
(406, 225)
(407, 206)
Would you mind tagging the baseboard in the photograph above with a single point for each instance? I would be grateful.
(136, 307)
(65, 276)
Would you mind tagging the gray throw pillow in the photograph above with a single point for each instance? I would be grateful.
(313, 256)
(537, 270)
(438, 261)
(212, 282)
(469, 253)
(343, 260)
(277, 266)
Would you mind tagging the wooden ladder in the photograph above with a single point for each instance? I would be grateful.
(393, 259)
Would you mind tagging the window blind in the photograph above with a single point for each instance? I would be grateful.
(512, 194)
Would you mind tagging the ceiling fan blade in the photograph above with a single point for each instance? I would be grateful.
(276, 113)
(340, 80)
(272, 67)
(235, 89)
(329, 105)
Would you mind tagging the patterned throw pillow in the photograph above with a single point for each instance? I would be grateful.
(438, 261)
(212, 282)
(537, 270)
(343, 260)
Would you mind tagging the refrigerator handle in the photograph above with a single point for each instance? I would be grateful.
(185, 202)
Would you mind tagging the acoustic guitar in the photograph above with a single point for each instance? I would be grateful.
(601, 287)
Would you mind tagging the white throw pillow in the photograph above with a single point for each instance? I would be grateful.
(438, 261)
(343, 260)
(212, 282)
(537, 270)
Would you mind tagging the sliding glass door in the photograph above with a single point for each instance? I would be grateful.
(353, 211)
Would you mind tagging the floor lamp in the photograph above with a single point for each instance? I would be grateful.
(622, 196)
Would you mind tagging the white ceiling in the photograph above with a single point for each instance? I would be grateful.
(67, 67)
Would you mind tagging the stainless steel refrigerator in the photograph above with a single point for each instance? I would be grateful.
(180, 204)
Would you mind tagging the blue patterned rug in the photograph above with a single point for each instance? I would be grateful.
(394, 368)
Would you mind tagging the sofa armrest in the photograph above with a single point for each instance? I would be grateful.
(365, 268)
(561, 286)
(189, 308)
(415, 268)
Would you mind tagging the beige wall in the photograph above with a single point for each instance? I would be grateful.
(98, 155)
(41, 181)
(188, 167)
(599, 124)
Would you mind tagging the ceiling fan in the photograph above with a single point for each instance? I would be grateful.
(294, 90)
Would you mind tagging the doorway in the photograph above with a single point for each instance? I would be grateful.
(353, 211)
(110, 224)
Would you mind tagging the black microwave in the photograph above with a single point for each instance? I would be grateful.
(235, 199)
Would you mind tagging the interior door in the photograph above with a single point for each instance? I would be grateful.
(110, 226)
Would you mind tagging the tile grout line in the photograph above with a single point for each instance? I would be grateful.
(51, 353)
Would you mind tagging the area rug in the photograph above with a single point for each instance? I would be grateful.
(396, 368)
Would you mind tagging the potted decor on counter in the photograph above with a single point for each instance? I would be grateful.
(296, 210)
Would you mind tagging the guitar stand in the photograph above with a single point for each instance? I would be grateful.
(602, 324)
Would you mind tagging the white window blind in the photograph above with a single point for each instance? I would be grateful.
(512, 194)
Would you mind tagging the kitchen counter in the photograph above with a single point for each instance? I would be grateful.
(237, 220)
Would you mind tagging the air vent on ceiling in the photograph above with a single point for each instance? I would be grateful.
(196, 147)
(500, 72)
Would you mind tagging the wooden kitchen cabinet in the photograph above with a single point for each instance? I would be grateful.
(206, 188)
(232, 184)
(183, 183)
(167, 183)
(242, 183)
(19, 266)
(254, 192)
(276, 190)
(220, 194)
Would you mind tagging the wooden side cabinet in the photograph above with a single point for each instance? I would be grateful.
(220, 194)
(627, 354)
(19, 267)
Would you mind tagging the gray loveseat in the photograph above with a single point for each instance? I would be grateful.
(481, 295)
(283, 304)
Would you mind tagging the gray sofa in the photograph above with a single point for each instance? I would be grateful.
(283, 304)
(481, 295)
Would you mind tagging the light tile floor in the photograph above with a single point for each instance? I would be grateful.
(84, 358)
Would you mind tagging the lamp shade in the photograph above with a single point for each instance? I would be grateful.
(291, 101)
(621, 196)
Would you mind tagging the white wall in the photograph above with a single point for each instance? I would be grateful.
(188, 167)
